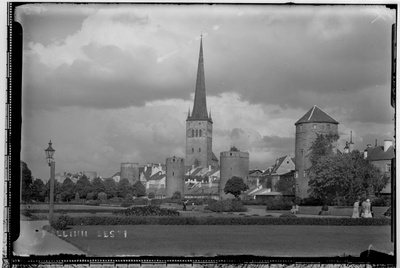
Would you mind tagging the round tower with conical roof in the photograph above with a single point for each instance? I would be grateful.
(315, 121)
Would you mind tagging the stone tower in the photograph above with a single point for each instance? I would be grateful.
(315, 121)
(199, 125)
(175, 180)
(233, 163)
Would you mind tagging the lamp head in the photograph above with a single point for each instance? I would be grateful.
(49, 153)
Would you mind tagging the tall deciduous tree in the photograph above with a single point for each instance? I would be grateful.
(26, 181)
(235, 186)
(38, 190)
(98, 185)
(124, 188)
(83, 186)
(321, 146)
(344, 177)
(110, 187)
(138, 189)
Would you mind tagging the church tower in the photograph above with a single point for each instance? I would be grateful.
(199, 125)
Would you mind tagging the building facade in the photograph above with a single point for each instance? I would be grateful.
(314, 122)
(199, 125)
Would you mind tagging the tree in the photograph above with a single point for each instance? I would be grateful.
(98, 185)
(321, 146)
(83, 186)
(26, 182)
(110, 187)
(67, 190)
(151, 195)
(138, 189)
(124, 188)
(235, 186)
(102, 196)
(344, 177)
(38, 190)
(285, 186)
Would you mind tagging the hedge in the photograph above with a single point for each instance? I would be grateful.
(64, 211)
(153, 220)
(147, 211)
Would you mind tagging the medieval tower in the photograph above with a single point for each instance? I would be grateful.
(199, 125)
(315, 121)
(233, 163)
(175, 176)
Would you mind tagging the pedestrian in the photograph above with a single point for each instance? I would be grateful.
(184, 206)
(356, 209)
(367, 209)
(362, 208)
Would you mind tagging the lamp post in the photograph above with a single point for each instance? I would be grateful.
(49, 156)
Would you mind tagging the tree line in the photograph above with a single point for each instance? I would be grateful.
(83, 188)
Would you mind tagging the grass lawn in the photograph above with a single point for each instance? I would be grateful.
(211, 240)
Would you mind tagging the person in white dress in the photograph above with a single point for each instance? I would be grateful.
(356, 209)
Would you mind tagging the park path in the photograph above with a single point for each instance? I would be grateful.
(33, 240)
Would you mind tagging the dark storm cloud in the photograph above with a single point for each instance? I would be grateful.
(279, 64)
(109, 78)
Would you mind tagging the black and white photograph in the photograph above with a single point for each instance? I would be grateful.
(206, 130)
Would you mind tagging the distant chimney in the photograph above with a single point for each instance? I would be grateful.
(376, 142)
(387, 144)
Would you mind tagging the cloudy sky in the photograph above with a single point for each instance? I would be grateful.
(113, 83)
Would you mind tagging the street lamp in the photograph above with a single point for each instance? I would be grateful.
(49, 156)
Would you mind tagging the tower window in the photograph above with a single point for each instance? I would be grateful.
(173, 173)
(192, 132)
(199, 150)
(302, 153)
(192, 150)
(200, 133)
(197, 132)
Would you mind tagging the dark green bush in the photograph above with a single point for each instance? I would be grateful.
(60, 222)
(253, 202)
(147, 211)
(311, 201)
(26, 213)
(287, 215)
(153, 220)
(140, 201)
(93, 202)
(227, 206)
(382, 201)
(280, 203)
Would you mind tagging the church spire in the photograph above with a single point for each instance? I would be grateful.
(200, 105)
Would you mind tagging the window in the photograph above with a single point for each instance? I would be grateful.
(192, 132)
(199, 150)
(302, 153)
(200, 133)
(197, 132)
(192, 150)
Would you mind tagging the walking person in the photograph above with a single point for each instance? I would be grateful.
(367, 210)
(356, 209)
